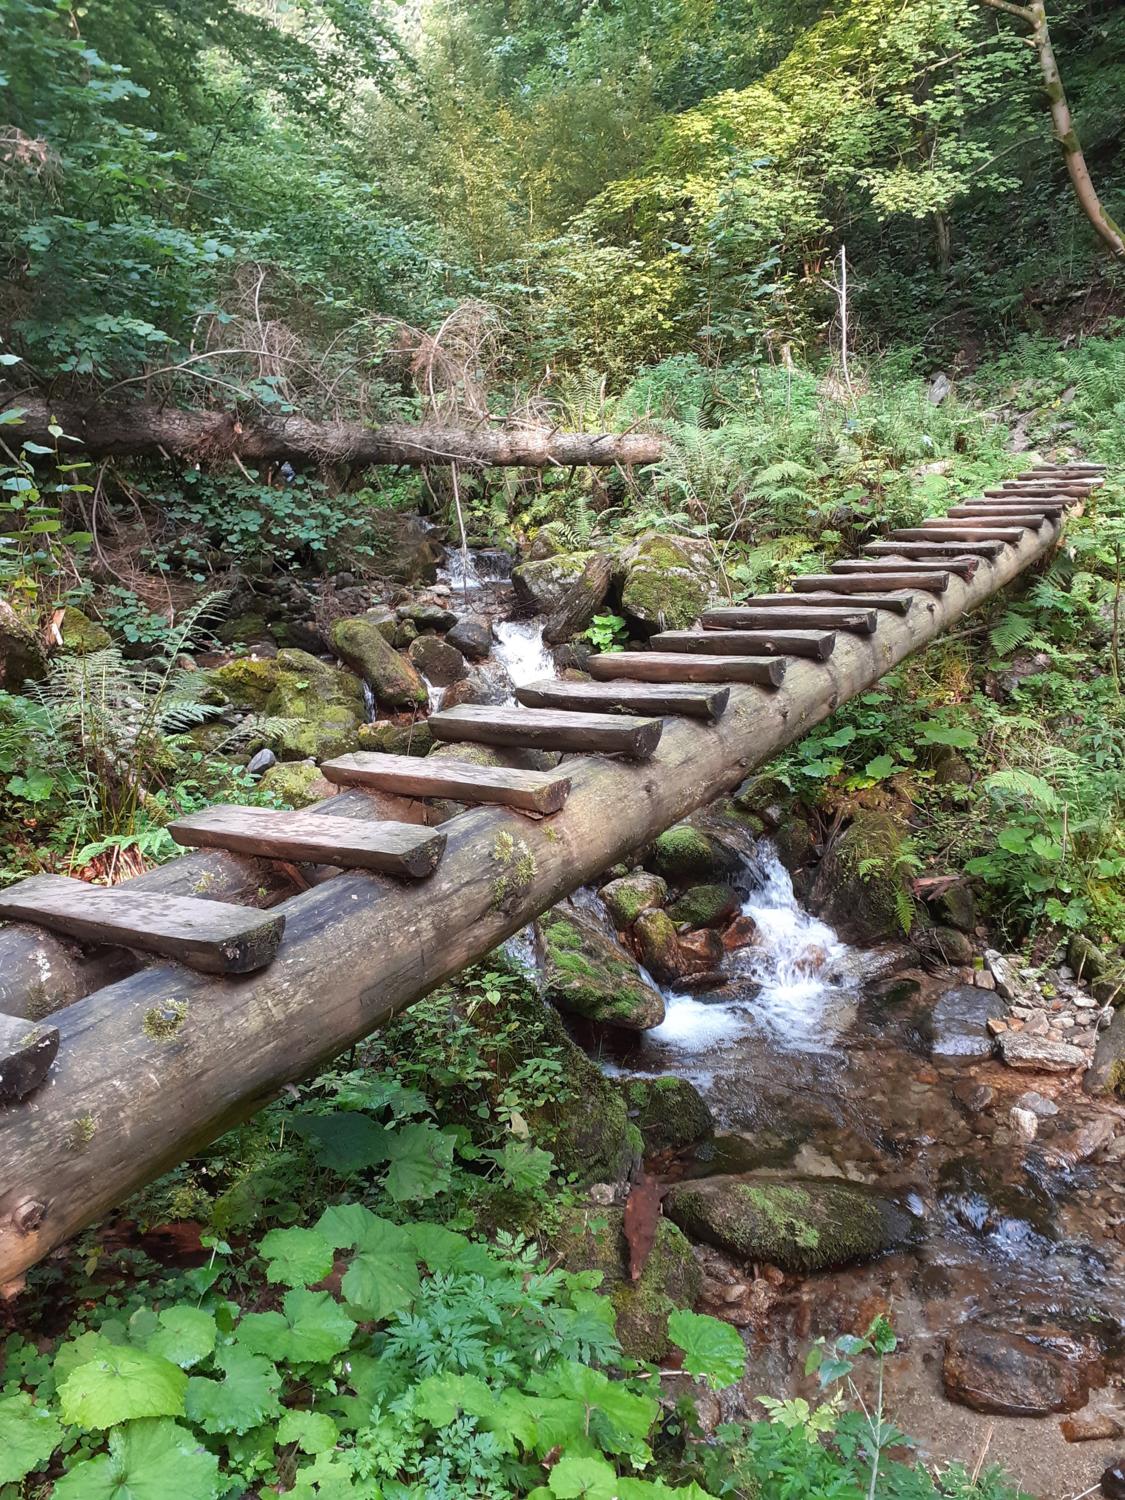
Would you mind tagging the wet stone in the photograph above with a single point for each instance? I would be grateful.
(1024, 1051)
(1091, 1427)
(990, 1370)
(959, 1023)
(1113, 1481)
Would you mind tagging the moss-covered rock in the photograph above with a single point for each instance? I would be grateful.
(798, 1224)
(1107, 1073)
(81, 635)
(428, 616)
(669, 581)
(705, 906)
(1086, 958)
(658, 947)
(669, 1112)
(406, 548)
(397, 739)
(569, 589)
(586, 973)
(594, 1239)
(297, 783)
(322, 705)
(442, 663)
(683, 853)
(360, 642)
(21, 654)
(247, 682)
(629, 895)
(251, 625)
(862, 885)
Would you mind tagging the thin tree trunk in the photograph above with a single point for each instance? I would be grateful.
(1034, 16)
(138, 430)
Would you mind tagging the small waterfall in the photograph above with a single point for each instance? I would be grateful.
(370, 707)
(435, 694)
(474, 569)
(521, 651)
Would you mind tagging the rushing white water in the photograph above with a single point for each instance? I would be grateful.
(473, 569)
(520, 648)
(436, 695)
(369, 705)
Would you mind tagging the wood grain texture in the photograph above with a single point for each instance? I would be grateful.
(960, 563)
(936, 550)
(958, 531)
(211, 936)
(392, 848)
(697, 702)
(817, 645)
(675, 666)
(998, 510)
(410, 776)
(935, 582)
(27, 1050)
(793, 614)
(545, 729)
(900, 603)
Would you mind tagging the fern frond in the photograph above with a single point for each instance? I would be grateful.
(1012, 631)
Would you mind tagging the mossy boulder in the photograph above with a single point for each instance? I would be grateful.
(658, 946)
(442, 663)
(569, 589)
(1107, 1073)
(247, 682)
(322, 703)
(397, 739)
(684, 853)
(22, 658)
(297, 783)
(428, 616)
(862, 885)
(705, 906)
(629, 895)
(251, 625)
(594, 1239)
(799, 1224)
(1086, 958)
(669, 1112)
(81, 635)
(359, 641)
(669, 581)
(405, 548)
(586, 973)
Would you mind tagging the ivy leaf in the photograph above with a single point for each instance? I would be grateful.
(589, 1477)
(243, 1399)
(711, 1348)
(345, 1141)
(312, 1431)
(421, 1159)
(312, 1328)
(147, 1460)
(297, 1257)
(120, 1384)
(185, 1336)
(29, 1434)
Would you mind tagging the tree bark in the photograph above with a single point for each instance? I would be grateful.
(125, 1101)
(1034, 16)
(143, 431)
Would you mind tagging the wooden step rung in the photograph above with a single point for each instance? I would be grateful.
(1064, 471)
(817, 645)
(959, 531)
(411, 776)
(958, 562)
(895, 603)
(1039, 491)
(676, 666)
(213, 936)
(408, 849)
(792, 614)
(1001, 510)
(1030, 517)
(936, 550)
(929, 581)
(693, 701)
(548, 729)
(27, 1050)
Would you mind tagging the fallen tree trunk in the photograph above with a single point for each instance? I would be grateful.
(126, 1099)
(139, 431)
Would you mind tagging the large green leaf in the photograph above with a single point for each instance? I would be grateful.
(712, 1349)
(421, 1159)
(383, 1277)
(312, 1431)
(185, 1335)
(297, 1257)
(244, 1398)
(311, 1329)
(152, 1459)
(345, 1141)
(119, 1384)
(29, 1434)
(589, 1478)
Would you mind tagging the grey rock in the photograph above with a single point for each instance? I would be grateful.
(959, 1023)
(1022, 1051)
(472, 635)
(260, 762)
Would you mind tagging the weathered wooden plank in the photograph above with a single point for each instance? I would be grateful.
(546, 729)
(936, 550)
(391, 848)
(1029, 516)
(894, 603)
(788, 612)
(934, 582)
(1052, 491)
(676, 666)
(623, 696)
(1065, 471)
(817, 645)
(27, 1050)
(1000, 510)
(893, 554)
(212, 936)
(411, 776)
(960, 531)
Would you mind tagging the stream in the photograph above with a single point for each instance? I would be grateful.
(817, 1060)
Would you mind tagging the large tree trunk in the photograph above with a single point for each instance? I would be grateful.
(137, 430)
(126, 1100)
(1034, 16)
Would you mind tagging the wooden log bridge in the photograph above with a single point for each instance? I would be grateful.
(145, 1061)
